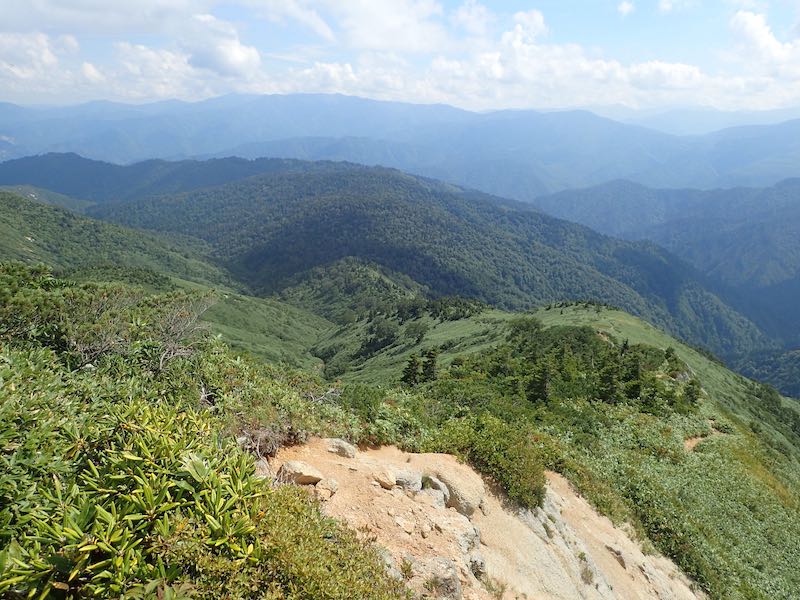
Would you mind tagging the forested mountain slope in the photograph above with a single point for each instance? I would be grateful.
(98, 181)
(743, 238)
(34, 232)
(269, 229)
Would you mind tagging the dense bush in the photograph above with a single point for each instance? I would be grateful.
(117, 479)
(499, 449)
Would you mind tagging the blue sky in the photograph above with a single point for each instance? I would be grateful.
(730, 54)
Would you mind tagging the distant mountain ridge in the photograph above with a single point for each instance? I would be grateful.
(268, 229)
(518, 154)
(746, 239)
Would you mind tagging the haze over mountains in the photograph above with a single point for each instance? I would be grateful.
(516, 154)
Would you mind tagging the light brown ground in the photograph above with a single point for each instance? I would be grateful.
(565, 550)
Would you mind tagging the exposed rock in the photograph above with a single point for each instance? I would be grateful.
(563, 550)
(405, 524)
(477, 565)
(429, 482)
(263, 468)
(295, 471)
(617, 554)
(432, 497)
(465, 488)
(326, 488)
(408, 479)
(441, 577)
(340, 447)
(385, 477)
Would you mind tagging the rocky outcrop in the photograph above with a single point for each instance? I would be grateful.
(447, 536)
(465, 489)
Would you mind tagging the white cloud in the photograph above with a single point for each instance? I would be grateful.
(214, 45)
(412, 26)
(297, 10)
(91, 73)
(531, 23)
(761, 50)
(98, 16)
(667, 6)
(474, 18)
(27, 56)
(411, 50)
(657, 74)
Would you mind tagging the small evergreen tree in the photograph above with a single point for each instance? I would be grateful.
(412, 372)
(429, 366)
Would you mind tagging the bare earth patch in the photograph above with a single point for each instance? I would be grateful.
(564, 550)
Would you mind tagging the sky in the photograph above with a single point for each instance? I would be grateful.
(645, 54)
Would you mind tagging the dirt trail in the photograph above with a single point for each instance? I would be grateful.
(564, 550)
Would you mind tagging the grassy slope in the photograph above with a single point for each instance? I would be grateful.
(85, 249)
(268, 329)
(454, 337)
(47, 197)
(32, 232)
(724, 386)
(740, 488)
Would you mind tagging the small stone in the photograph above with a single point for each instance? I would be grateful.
(617, 554)
(408, 479)
(385, 478)
(263, 469)
(405, 525)
(340, 447)
(477, 565)
(326, 488)
(295, 471)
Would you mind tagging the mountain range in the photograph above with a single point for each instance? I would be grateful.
(268, 229)
(492, 315)
(515, 154)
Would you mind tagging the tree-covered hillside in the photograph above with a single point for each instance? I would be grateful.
(740, 236)
(98, 181)
(269, 229)
(34, 232)
(745, 240)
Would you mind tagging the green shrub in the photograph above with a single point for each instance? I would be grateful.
(505, 452)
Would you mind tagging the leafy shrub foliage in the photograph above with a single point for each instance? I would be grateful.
(114, 483)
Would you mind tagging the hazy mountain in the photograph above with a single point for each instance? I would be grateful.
(519, 154)
(696, 120)
(744, 238)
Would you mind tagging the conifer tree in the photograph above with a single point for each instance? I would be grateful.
(429, 366)
(412, 372)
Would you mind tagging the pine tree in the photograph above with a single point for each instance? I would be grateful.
(412, 372)
(429, 366)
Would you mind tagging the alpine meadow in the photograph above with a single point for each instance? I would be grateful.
(407, 299)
